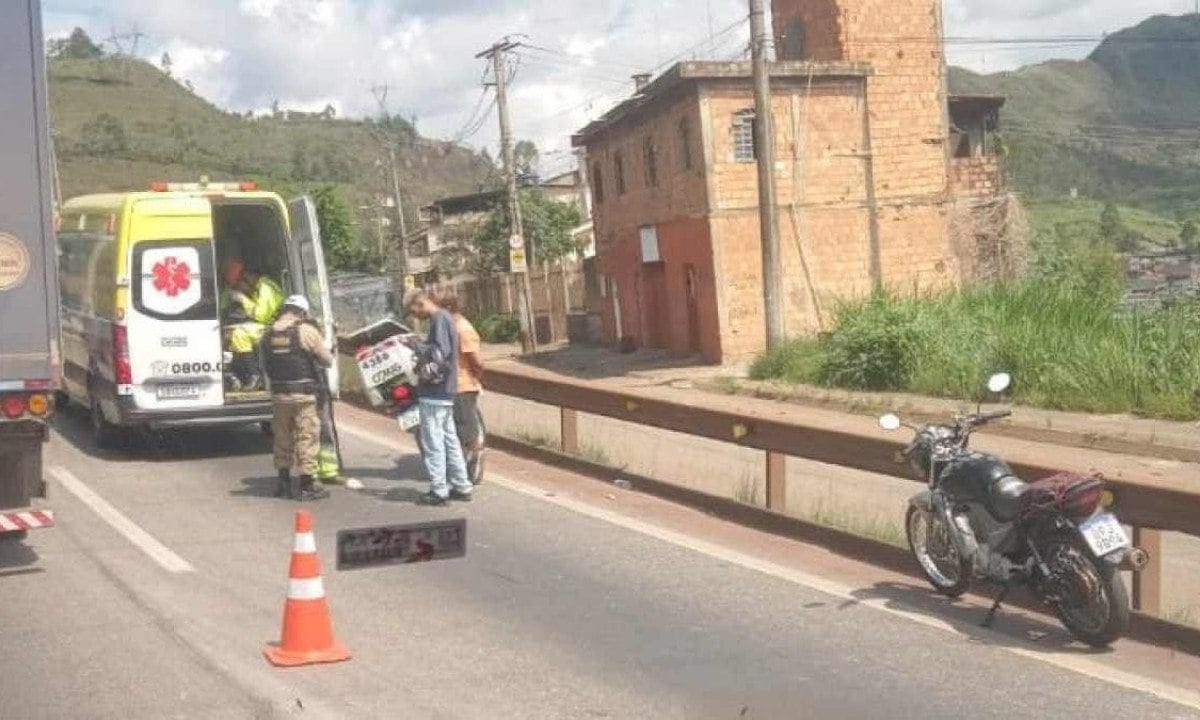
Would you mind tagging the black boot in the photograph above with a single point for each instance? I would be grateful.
(245, 369)
(284, 488)
(310, 491)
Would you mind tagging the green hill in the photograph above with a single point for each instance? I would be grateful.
(120, 124)
(1120, 124)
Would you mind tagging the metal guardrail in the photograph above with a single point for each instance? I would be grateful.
(1146, 503)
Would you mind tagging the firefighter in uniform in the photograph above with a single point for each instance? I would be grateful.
(295, 354)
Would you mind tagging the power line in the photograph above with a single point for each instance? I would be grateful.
(721, 34)
(565, 54)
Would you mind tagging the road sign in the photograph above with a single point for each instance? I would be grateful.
(401, 544)
(410, 282)
(516, 242)
(516, 261)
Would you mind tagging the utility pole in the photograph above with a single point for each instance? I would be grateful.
(765, 152)
(381, 94)
(497, 54)
(403, 226)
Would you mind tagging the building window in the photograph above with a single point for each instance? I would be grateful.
(650, 161)
(685, 144)
(619, 171)
(744, 148)
(793, 45)
(597, 183)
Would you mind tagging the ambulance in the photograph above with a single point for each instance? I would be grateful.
(144, 336)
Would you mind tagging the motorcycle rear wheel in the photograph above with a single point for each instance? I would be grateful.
(950, 573)
(1103, 614)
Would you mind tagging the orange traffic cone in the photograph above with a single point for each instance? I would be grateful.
(307, 631)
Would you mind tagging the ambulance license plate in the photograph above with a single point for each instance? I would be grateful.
(179, 391)
(410, 418)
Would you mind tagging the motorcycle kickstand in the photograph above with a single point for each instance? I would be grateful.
(991, 616)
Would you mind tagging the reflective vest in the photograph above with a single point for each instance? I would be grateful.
(288, 364)
(268, 301)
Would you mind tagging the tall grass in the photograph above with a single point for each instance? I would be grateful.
(1069, 344)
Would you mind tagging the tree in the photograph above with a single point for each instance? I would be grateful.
(166, 63)
(483, 247)
(525, 158)
(342, 250)
(76, 46)
(1189, 237)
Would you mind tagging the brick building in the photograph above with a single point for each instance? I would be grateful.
(864, 173)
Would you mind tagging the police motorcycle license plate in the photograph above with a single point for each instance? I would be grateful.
(1104, 534)
(410, 418)
(383, 362)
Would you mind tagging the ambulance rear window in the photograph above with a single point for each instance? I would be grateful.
(174, 279)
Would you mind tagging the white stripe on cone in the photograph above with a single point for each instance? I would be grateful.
(305, 543)
(307, 589)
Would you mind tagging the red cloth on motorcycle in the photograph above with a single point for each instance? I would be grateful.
(1077, 495)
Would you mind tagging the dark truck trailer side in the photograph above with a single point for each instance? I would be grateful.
(29, 358)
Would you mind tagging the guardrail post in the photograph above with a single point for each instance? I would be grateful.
(569, 430)
(1147, 584)
(776, 481)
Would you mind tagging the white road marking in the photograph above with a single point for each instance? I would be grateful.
(1067, 661)
(143, 540)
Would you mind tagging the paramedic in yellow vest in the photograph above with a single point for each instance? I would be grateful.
(251, 302)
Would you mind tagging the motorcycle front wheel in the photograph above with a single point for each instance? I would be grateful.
(936, 552)
(1092, 601)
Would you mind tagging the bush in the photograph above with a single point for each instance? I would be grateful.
(1069, 344)
(499, 329)
(873, 347)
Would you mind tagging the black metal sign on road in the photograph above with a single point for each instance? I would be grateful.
(401, 544)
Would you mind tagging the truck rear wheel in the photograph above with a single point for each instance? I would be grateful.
(105, 435)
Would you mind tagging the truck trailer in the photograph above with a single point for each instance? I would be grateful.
(29, 335)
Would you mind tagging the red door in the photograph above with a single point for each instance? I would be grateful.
(692, 288)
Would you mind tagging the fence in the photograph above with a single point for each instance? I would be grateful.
(1166, 500)
(556, 291)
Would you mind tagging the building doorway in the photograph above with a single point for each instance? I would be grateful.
(692, 287)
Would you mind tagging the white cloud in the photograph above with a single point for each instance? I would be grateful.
(259, 8)
(244, 54)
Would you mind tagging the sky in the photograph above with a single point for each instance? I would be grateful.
(246, 54)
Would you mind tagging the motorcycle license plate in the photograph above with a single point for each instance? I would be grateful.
(410, 418)
(1104, 534)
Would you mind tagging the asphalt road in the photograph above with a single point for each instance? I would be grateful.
(558, 611)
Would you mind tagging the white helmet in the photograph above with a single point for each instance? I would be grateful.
(299, 302)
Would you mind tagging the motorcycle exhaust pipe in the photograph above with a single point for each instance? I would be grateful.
(1135, 560)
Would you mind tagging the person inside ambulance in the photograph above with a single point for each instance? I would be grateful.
(250, 303)
(295, 355)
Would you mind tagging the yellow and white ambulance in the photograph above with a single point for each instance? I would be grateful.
(143, 340)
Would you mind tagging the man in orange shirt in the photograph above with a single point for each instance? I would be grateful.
(470, 382)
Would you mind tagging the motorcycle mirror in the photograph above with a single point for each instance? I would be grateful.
(890, 422)
(999, 382)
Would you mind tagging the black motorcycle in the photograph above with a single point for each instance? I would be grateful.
(978, 520)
